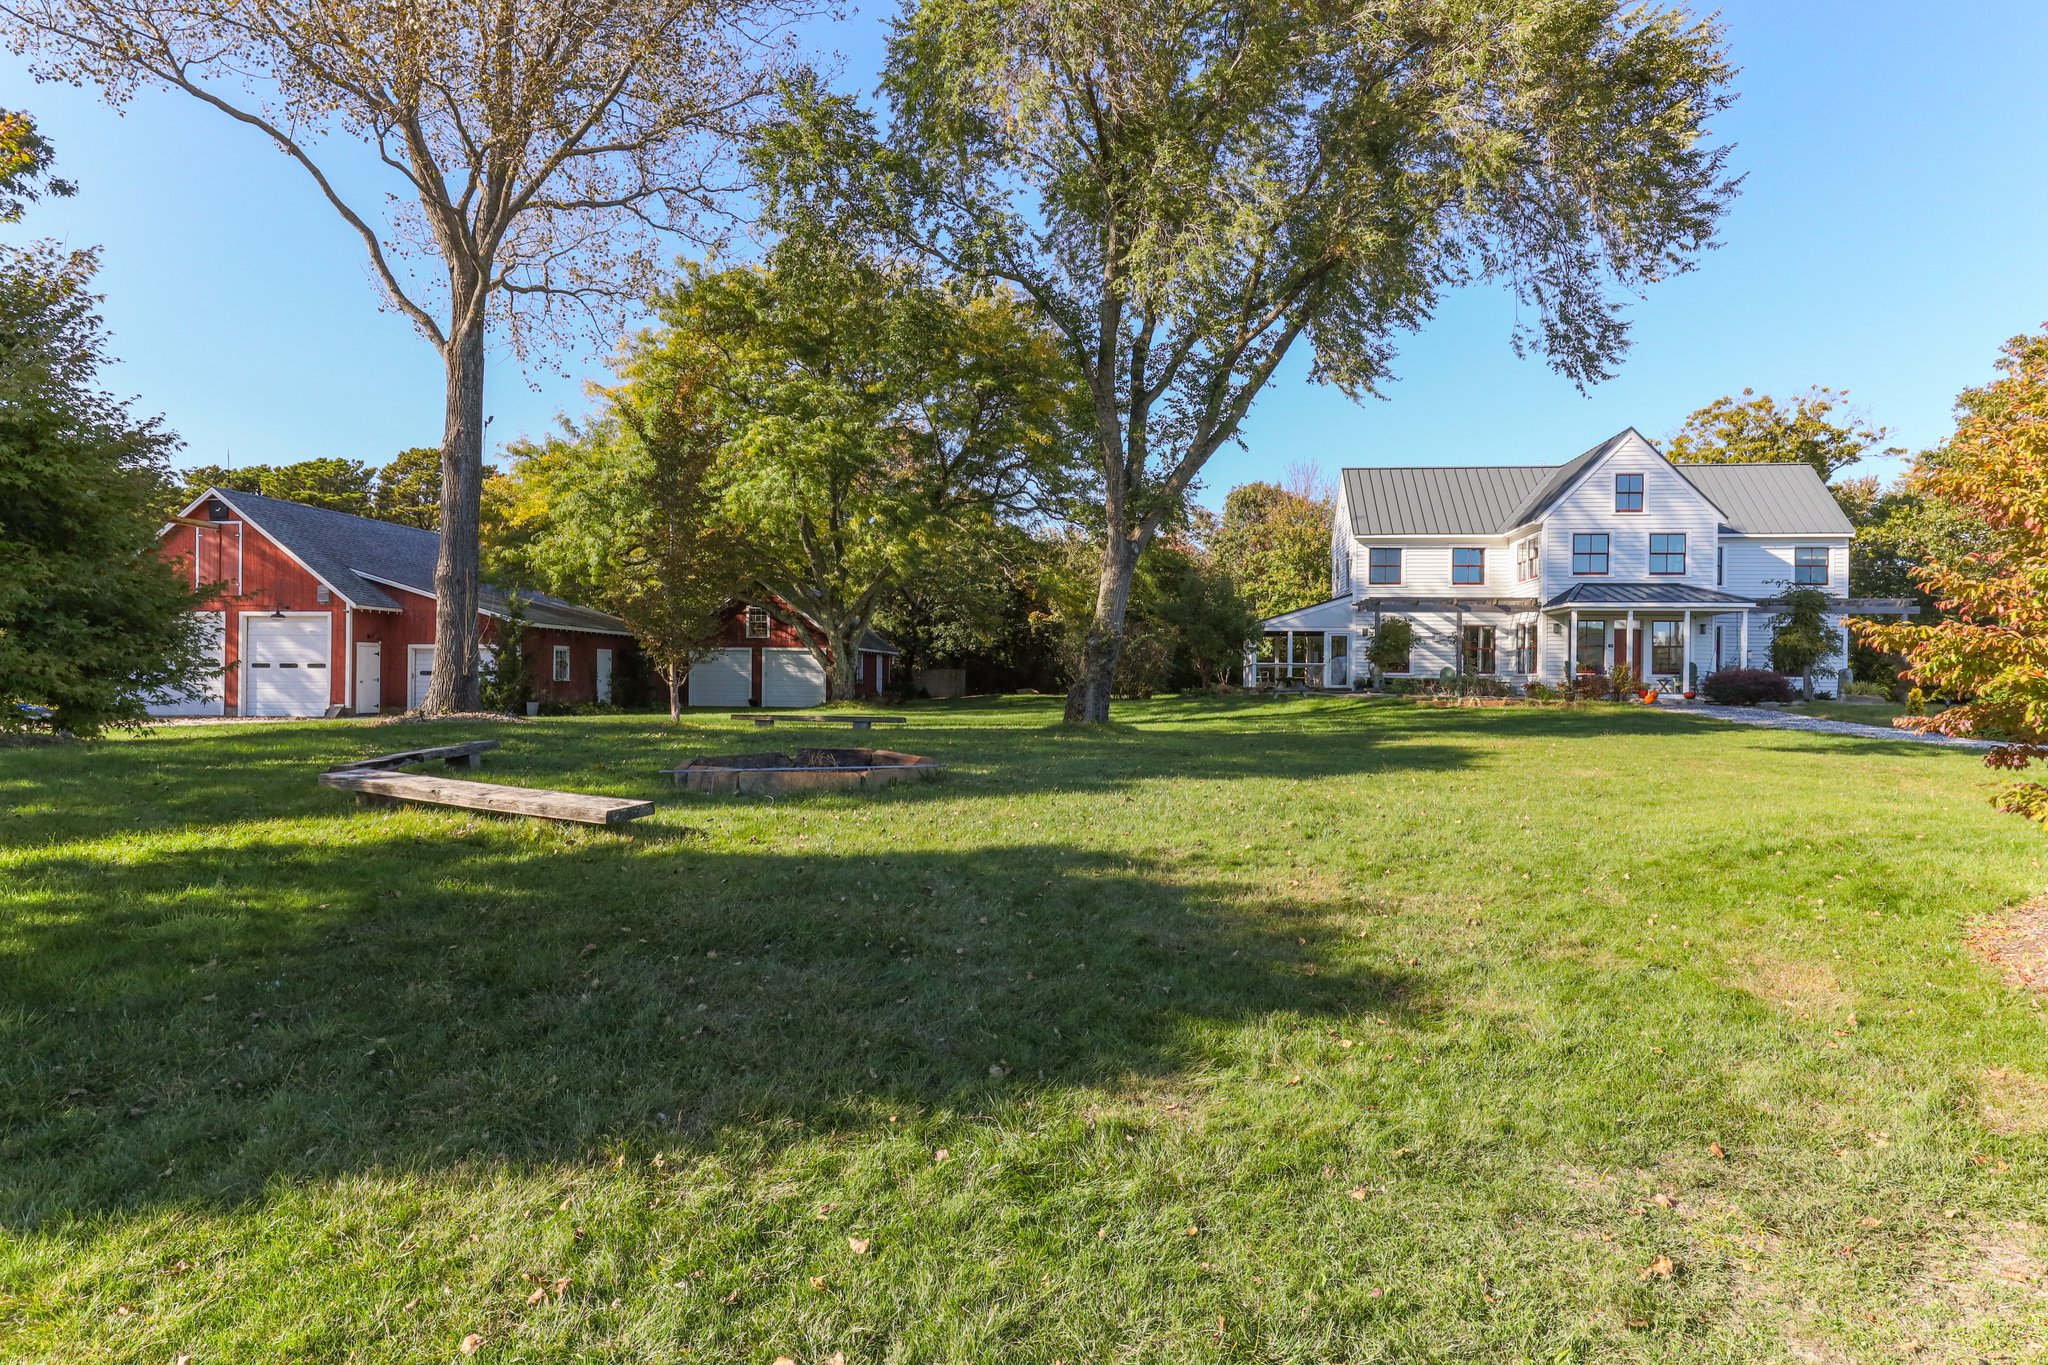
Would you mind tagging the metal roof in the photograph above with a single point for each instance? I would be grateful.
(1643, 594)
(342, 549)
(1770, 499)
(1447, 500)
(1491, 500)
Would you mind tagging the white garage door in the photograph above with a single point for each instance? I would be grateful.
(285, 666)
(209, 694)
(791, 677)
(724, 679)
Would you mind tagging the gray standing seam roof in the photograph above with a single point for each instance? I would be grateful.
(1491, 500)
(1770, 499)
(1636, 594)
(342, 548)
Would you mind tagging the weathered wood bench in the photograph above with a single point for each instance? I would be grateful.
(468, 755)
(486, 796)
(765, 722)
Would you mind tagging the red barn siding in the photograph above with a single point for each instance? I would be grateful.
(271, 580)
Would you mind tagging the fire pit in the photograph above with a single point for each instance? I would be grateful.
(806, 770)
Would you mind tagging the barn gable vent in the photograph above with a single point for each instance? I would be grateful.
(321, 595)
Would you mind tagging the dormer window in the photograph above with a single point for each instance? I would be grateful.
(1526, 562)
(1628, 492)
(1468, 566)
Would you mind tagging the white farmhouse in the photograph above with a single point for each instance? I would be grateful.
(1533, 572)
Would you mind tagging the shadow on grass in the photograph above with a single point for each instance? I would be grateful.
(195, 1025)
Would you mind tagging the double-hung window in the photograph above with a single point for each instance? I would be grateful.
(1468, 566)
(1589, 552)
(1383, 565)
(1526, 559)
(1810, 566)
(1667, 553)
(561, 663)
(1628, 492)
(757, 623)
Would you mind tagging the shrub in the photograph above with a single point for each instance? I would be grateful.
(1537, 691)
(1916, 702)
(1869, 689)
(1746, 687)
(1624, 683)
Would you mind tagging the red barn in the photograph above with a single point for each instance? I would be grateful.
(763, 659)
(316, 609)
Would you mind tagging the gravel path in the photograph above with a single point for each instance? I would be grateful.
(1792, 720)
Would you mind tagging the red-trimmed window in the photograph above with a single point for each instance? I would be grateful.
(1628, 492)
(1667, 553)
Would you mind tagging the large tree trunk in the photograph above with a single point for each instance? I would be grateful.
(675, 694)
(1088, 697)
(456, 685)
(842, 642)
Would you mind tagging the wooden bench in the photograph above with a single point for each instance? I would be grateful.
(486, 796)
(469, 755)
(765, 722)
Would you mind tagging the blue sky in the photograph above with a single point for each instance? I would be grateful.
(1889, 237)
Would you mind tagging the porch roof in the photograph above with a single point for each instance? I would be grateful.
(1651, 595)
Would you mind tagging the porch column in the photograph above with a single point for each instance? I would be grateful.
(1458, 641)
(1288, 674)
(1571, 649)
(1743, 660)
(1633, 661)
(1685, 658)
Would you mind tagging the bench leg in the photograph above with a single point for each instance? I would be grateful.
(465, 761)
(863, 725)
(764, 722)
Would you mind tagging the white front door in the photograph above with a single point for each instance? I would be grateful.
(369, 678)
(419, 671)
(604, 675)
(285, 669)
(791, 677)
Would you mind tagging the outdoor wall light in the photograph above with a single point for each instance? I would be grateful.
(277, 615)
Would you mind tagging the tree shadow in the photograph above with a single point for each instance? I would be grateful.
(196, 1024)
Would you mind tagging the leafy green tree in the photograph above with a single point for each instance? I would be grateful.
(508, 682)
(92, 618)
(1803, 640)
(984, 608)
(25, 160)
(511, 167)
(1391, 645)
(336, 484)
(408, 490)
(872, 418)
(1276, 540)
(1197, 602)
(1816, 428)
(1182, 220)
(1990, 647)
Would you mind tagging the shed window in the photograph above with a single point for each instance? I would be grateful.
(1468, 566)
(1810, 566)
(757, 623)
(1589, 552)
(561, 663)
(1628, 492)
(1667, 553)
(1383, 565)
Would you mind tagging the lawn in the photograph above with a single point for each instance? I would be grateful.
(1305, 1031)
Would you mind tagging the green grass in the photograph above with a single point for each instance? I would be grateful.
(1862, 713)
(1304, 1032)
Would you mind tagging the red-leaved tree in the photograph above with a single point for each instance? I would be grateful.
(1990, 649)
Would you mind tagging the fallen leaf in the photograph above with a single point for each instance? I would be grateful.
(858, 1245)
(836, 1358)
(818, 1282)
(1294, 1080)
(537, 1296)
(942, 1155)
(1663, 1200)
(1718, 1150)
(1359, 1192)
(1192, 1232)
(472, 1343)
(1870, 1222)
(1661, 1268)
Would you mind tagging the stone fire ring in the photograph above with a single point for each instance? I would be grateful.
(806, 770)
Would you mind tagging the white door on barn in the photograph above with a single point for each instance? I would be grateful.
(208, 696)
(791, 677)
(724, 679)
(604, 675)
(285, 665)
(369, 696)
(419, 671)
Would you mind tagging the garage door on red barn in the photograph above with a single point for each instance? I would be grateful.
(285, 666)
